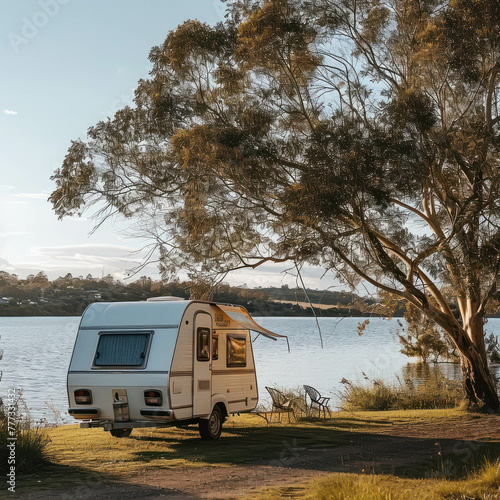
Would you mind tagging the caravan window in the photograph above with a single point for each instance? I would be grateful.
(127, 350)
(236, 350)
(215, 347)
(203, 344)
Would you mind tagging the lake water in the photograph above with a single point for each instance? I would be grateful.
(37, 352)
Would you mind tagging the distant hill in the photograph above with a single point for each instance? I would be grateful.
(36, 295)
(324, 302)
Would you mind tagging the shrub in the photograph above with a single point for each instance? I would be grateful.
(437, 392)
(31, 438)
(492, 343)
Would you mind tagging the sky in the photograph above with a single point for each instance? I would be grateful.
(67, 64)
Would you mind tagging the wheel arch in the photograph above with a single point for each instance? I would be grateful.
(220, 401)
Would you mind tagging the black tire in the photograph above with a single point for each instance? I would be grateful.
(211, 428)
(120, 433)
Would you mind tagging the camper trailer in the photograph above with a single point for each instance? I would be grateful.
(162, 362)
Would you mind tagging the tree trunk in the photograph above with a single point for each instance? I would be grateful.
(479, 387)
(473, 324)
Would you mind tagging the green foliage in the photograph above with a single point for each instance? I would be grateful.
(492, 348)
(437, 392)
(423, 339)
(471, 28)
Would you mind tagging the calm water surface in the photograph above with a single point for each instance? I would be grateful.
(37, 352)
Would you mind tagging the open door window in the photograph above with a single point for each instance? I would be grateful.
(203, 344)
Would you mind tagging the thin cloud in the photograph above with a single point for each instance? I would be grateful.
(96, 259)
(13, 233)
(33, 196)
(9, 112)
(6, 266)
(94, 250)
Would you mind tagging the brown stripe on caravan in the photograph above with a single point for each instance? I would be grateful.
(232, 371)
(181, 374)
(238, 401)
(181, 407)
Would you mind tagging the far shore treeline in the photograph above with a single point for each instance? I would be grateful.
(36, 295)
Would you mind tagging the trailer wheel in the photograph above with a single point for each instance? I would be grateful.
(120, 433)
(212, 427)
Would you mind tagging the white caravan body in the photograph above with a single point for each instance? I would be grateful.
(165, 361)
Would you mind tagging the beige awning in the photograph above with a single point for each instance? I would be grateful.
(240, 315)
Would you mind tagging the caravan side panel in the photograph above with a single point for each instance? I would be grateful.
(235, 382)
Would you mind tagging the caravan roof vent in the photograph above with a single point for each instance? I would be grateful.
(164, 299)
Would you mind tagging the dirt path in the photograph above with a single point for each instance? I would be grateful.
(426, 449)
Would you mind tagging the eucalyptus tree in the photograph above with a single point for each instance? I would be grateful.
(359, 135)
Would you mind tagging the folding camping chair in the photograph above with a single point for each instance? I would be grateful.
(316, 400)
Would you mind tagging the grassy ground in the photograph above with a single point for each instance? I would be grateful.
(246, 439)
(387, 455)
(482, 485)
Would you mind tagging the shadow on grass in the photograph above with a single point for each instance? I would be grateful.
(345, 423)
(323, 448)
(247, 445)
(74, 483)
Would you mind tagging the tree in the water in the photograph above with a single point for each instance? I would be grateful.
(353, 134)
(422, 339)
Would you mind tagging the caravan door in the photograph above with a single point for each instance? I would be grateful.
(202, 364)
